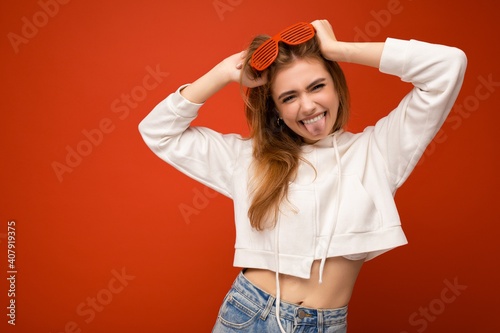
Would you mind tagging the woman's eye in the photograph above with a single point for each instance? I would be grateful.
(287, 99)
(318, 86)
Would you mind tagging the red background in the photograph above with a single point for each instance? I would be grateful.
(119, 209)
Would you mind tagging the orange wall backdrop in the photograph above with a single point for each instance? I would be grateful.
(105, 237)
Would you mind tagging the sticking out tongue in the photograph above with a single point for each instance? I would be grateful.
(317, 127)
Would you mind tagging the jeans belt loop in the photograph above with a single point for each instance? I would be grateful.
(268, 307)
(320, 320)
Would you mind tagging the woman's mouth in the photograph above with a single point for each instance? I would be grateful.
(315, 119)
(316, 125)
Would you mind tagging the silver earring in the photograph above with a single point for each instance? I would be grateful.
(279, 121)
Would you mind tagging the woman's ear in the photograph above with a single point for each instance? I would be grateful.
(279, 120)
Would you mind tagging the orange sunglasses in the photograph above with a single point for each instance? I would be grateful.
(266, 53)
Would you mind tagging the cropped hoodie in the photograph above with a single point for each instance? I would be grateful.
(344, 204)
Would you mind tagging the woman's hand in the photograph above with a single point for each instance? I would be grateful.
(359, 53)
(328, 42)
(227, 71)
(236, 72)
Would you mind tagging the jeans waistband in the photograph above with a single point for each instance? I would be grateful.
(293, 312)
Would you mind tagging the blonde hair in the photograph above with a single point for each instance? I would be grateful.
(276, 148)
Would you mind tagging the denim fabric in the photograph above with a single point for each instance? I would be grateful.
(248, 309)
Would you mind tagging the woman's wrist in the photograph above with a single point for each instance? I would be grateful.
(367, 54)
(208, 84)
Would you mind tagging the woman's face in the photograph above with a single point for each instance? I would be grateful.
(306, 99)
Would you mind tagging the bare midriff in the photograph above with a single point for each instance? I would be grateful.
(339, 277)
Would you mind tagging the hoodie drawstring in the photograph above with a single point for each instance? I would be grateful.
(337, 206)
(330, 236)
(277, 260)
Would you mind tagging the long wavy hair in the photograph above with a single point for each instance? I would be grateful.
(276, 148)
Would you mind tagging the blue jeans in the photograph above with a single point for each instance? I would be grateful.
(248, 309)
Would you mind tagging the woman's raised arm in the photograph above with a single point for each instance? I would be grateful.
(225, 72)
(368, 53)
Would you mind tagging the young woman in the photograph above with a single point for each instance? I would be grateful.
(312, 202)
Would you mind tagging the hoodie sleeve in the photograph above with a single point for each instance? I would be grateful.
(200, 153)
(436, 72)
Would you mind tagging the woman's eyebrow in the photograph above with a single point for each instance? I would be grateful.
(312, 84)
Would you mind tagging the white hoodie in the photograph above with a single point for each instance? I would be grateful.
(326, 215)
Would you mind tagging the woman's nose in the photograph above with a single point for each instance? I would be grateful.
(307, 104)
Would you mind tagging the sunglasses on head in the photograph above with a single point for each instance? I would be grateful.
(267, 52)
